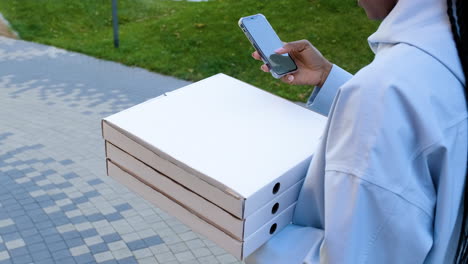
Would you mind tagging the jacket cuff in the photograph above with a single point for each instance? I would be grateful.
(321, 98)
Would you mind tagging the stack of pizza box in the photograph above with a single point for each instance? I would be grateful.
(225, 158)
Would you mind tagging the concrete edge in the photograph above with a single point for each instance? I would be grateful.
(5, 28)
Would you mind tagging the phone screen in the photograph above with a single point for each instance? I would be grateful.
(266, 41)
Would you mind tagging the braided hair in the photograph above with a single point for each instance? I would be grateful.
(458, 15)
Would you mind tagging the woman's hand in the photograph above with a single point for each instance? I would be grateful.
(313, 68)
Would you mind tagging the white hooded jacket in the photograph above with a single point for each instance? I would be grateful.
(386, 183)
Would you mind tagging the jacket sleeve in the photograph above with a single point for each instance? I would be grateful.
(364, 223)
(321, 98)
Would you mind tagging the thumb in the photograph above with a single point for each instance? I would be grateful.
(289, 79)
(296, 46)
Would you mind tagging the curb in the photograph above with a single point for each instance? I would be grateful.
(6, 30)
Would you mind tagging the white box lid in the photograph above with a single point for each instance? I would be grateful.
(236, 136)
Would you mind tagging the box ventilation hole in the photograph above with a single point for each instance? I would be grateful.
(275, 208)
(276, 187)
(273, 228)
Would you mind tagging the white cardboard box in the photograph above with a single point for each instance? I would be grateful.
(239, 249)
(211, 213)
(237, 146)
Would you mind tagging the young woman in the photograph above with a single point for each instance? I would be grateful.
(386, 185)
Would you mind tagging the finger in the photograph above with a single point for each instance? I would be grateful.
(256, 55)
(297, 46)
(281, 50)
(265, 68)
(289, 78)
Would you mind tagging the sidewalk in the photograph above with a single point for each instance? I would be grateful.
(56, 203)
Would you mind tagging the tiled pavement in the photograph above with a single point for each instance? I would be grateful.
(56, 203)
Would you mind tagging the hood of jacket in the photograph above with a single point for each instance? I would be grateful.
(423, 24)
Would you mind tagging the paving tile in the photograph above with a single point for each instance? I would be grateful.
(128, 260)
(209, 260)
(61, 254)
(201, 252)
(93, 240)
(6, 222)
(85, 258)
(22, 259)
(152, 241)
(165, 257)
(78, 220)
(71, 235)
(103, 256)
(142, 253)
(44, 261)
(117, 245)
(37, 247)
(123, 207)
(88, 233)
(75, 242)
(79, 250)
(12, 244)
(179, 247)
(148, 260)
(135, 245)
(56, 246)
(52, 238)
(97, 248)
(111, 238)
(41, 255)
(112, 261)
(4, 255)
(158, 249)
(226, 259)
(184, 256)
(122, 253)
(195, 243)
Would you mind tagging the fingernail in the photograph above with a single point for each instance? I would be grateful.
(280, 50)
(290, 78)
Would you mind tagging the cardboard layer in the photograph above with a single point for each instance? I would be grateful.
(198, 205)
(237, 248)
(231, 203)
(218, 134)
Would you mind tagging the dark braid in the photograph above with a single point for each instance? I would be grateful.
(460, 35)
(463, 34)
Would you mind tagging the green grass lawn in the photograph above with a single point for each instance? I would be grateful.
(194, 40)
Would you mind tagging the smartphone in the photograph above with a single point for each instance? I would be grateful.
(265, 41)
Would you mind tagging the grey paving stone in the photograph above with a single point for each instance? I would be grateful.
(142, 253)
(179, 247)
(103, 256)
(209, 260)
(226, 259)
(148, 260)
(195, 243)
(201, 252)
(184, 256)
(4, 255)
(79, 250)
(122, 253)
(165, 257)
